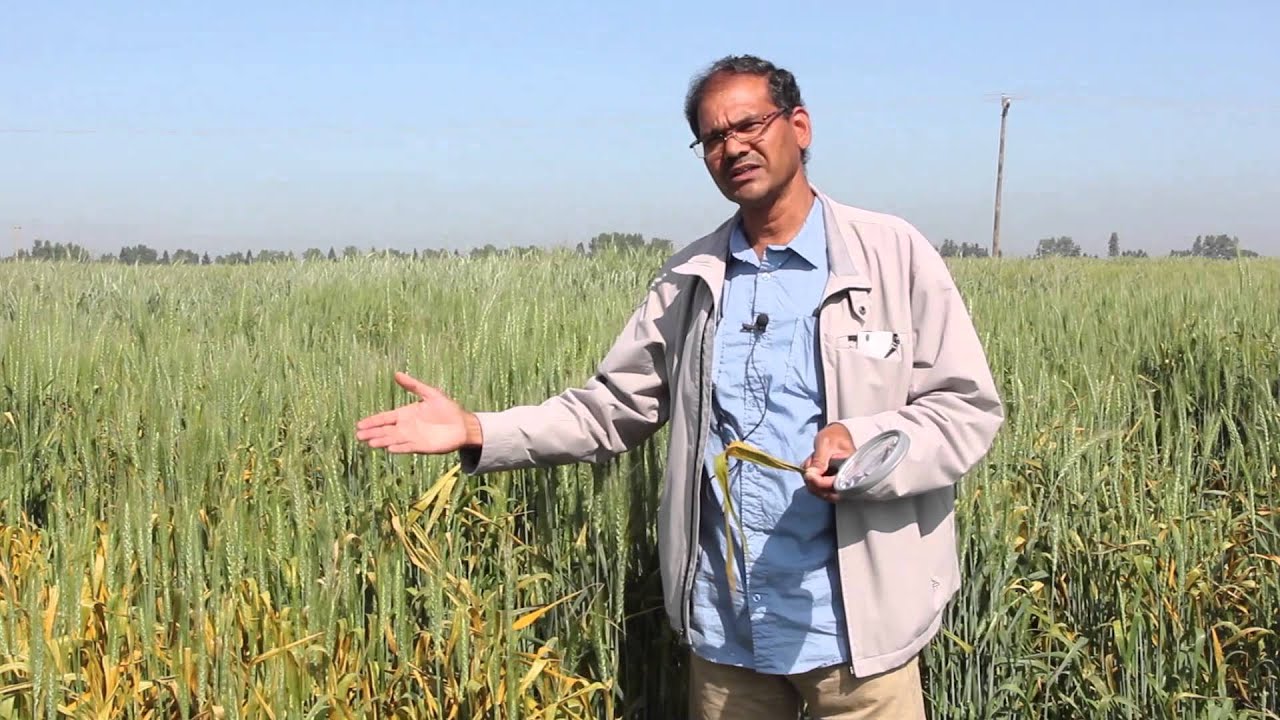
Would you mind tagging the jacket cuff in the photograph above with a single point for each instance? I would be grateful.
(502, 446)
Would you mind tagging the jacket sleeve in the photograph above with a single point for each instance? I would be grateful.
(953, 409)
(623, 404)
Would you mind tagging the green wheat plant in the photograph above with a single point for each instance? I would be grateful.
(188, 527)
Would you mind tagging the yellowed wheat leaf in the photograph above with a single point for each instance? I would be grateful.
(531, 617)
(434, 497)
(284, 648)
(756, 456)
(50, 613)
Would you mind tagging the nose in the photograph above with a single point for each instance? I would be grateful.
(733, 147)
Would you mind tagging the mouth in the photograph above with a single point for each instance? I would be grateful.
(743, 171)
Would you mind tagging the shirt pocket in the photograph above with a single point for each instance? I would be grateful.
(801, 377)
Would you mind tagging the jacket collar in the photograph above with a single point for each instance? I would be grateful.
(844, 274)
(709, 263)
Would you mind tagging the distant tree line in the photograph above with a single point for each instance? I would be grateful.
(621, 242)
(143, 255)
(1222, 247)
(1215, 246)
(949, 248)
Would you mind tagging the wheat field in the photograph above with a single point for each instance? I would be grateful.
(188, 527)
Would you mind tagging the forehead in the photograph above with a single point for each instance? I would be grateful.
(729, 98)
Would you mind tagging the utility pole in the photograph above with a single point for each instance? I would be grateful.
(17, 230)
(1005, 100)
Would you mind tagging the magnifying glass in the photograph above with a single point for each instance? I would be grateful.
(871, 463)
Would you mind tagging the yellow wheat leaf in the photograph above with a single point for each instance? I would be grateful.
(50, 613)
(527, 580)
(531, 617)
(1217, 647)
(535, 669)
(437, 493)
(756, 456)
(284, 648)
(722, 477)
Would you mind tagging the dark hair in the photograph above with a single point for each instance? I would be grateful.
(783, 90)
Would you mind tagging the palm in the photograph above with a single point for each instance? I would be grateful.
(433, 425)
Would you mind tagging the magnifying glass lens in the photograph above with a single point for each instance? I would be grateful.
(873, 461)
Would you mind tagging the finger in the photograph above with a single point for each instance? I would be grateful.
(383, 418)
(824, 492)
(415, 386)
(829, 454)
(812, 470)
(410, 383)
(821, 457)
(820, 482)
(401, 447)
(375, 433)
(387, 439)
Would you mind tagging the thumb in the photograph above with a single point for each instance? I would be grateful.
(415, 386)
(816, 466)
(812, 471)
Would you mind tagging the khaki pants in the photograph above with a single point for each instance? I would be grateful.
(723, 692)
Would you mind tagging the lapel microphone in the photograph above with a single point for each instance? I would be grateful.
(757, 328)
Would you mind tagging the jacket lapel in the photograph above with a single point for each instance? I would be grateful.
(844, 274)
(709, 265)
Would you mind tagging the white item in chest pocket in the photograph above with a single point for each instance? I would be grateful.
(876, 343)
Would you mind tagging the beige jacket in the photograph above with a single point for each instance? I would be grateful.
(897, 545)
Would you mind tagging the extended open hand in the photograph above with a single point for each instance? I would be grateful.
(434, 425)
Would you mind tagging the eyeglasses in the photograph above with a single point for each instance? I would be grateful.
(745, 130)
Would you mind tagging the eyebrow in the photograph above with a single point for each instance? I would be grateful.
(739, 121)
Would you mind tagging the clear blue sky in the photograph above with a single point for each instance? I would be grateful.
(233, 125)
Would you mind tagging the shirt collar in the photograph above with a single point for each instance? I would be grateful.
(810, 243)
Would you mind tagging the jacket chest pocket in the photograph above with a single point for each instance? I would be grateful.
(872, 370)
(867, 355)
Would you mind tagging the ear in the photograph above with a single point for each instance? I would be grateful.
(801, 126)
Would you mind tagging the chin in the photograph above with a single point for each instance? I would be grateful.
(750, 194)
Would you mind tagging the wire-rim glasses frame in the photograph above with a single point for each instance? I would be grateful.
(746, 130)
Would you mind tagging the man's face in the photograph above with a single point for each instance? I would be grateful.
(750, 171)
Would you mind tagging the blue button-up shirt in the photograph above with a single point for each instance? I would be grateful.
(785, 613)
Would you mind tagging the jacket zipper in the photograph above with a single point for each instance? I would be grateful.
(696, 464)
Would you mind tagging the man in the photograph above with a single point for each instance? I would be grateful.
(804, 327)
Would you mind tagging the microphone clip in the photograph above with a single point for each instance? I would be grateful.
(757, 327)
